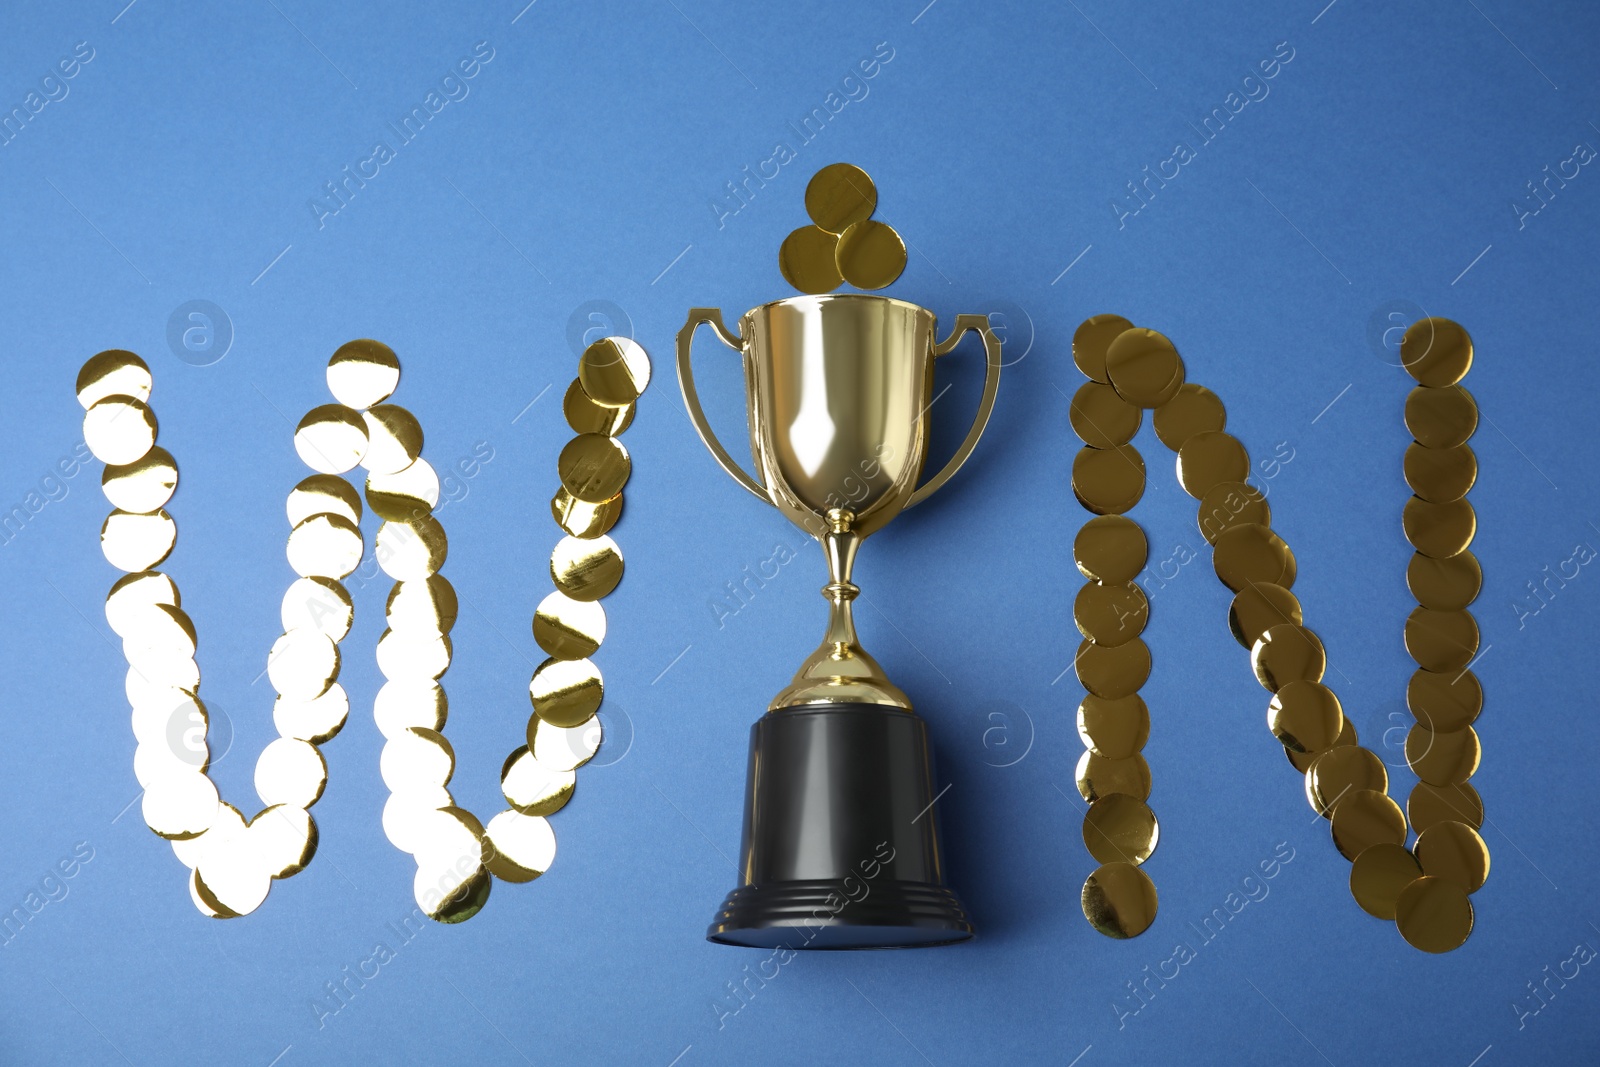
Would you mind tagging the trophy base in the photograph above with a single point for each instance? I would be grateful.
(841, 844)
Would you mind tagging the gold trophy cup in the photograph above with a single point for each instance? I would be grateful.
(841, 847)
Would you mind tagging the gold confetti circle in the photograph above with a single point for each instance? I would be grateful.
(316, 720)
(409, 493)
(565, 692)
(411, 551)
(1439, 530)
(1251, 554)
(608, 378)
(325, 546)
(406, 815)
(394, 439)
(363, 373)
(1440, 475)
(1436, 352)
(423, 607)
(584, 415)
(1441, 640)
(143, 486)
(1445, 757)
(1120, 827)
(586, 568)
(319, 604)
(1430, 805)
(113, 373)
(1444, 701)
(1302, 761)
(1193, 409)
(1258, 607)
(1101, 418)
(1379, 875)
(1287, 653)
(1434, 914)
(283, 839)
(593, 467)
(181, 805)
(232, 878)
(1144, 367)
(416, 758)
(1305, 716)
(1455, 851)
(1363, 818)
(132, 597)
(331, 439)
(407, 702)
(871, 254)
(1229, 504)
(1113, 672)
(808, 260)
(1108, 481)
(840, 195)
(533, 788)
(290, 772)
(119, 430)
(1441, 418)
(323, 494)
(1209, 458)
(1110, 548)
(582, 519)
(562, 748)
(417, 656)
(1110, 614)
(137, 542)
(227, 822)
(569, 629)
(1119, 900)
(1091, 340)
(520, 847)
(1099, 777)
(1340, 771)
(1449, 584)
(447, 895)
(1115, 729)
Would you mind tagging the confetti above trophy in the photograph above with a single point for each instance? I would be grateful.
(845, 244)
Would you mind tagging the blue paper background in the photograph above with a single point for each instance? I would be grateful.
(1381, 166)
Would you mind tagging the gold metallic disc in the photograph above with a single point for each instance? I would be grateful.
(582, 519)
(1379, 875)
(411, 551)
(1444, 584)
(1100, 777)
(1144, 367)
(1101, 418)
(414, 656)
(533, 788)
(282, 840)
(163, 758)
(133, 596)
(613, 372)
(1440, 475)
(1340, 771)
(839, 195)
(320, 604)
(1287, 653)
(1439, 530)
(808, 260)
(1229, 504)
(154, 721)
(1446, 700)
(1119, 900)
(232, 879)
(1115, 729)
(113, 373)
(408, 816)
(1434, 914)
(143, 486)
(1193, 409)
(315, 720)
(1110, 548)
(1090, 341)
(137, 542)
(569, 629)
(1211, 458)
(1108, 481)
(586, 416)
(409, 493)
(452, 890)
(1111, 614)
(290, 772)
(227, 822)
(871, 254)
(448, 837)
(394, 439)
(521, 847)
(425, 607)
(565, 692)
(1113, 672)
(331, 439)
(119, 429)
(1454, 850)
(416, 758)
(363, 373)
(1302, 761)
(181, 805)
(1250, 553)
(1441, 640)
(1120, 827)
(586, 568)
(325, 546)
(407, 702)
(166, 630)
(594, 467)
(1305, 716)
(1444, 758)
(1436, 352)
(562, 748)
(1366, 817)
(1258, 607)
(142, 685)
(323, 494)
(1441, 418)
(1430, 805)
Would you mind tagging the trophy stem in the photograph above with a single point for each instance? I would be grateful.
(840, 670)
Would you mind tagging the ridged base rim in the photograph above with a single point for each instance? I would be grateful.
(816, 915)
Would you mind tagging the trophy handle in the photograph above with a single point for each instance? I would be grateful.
(691, 398)
(991, 388)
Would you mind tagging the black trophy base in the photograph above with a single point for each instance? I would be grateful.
(841, 843)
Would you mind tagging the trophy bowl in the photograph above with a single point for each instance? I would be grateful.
(841, 844)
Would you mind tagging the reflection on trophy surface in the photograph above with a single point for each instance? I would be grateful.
(841, 848)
